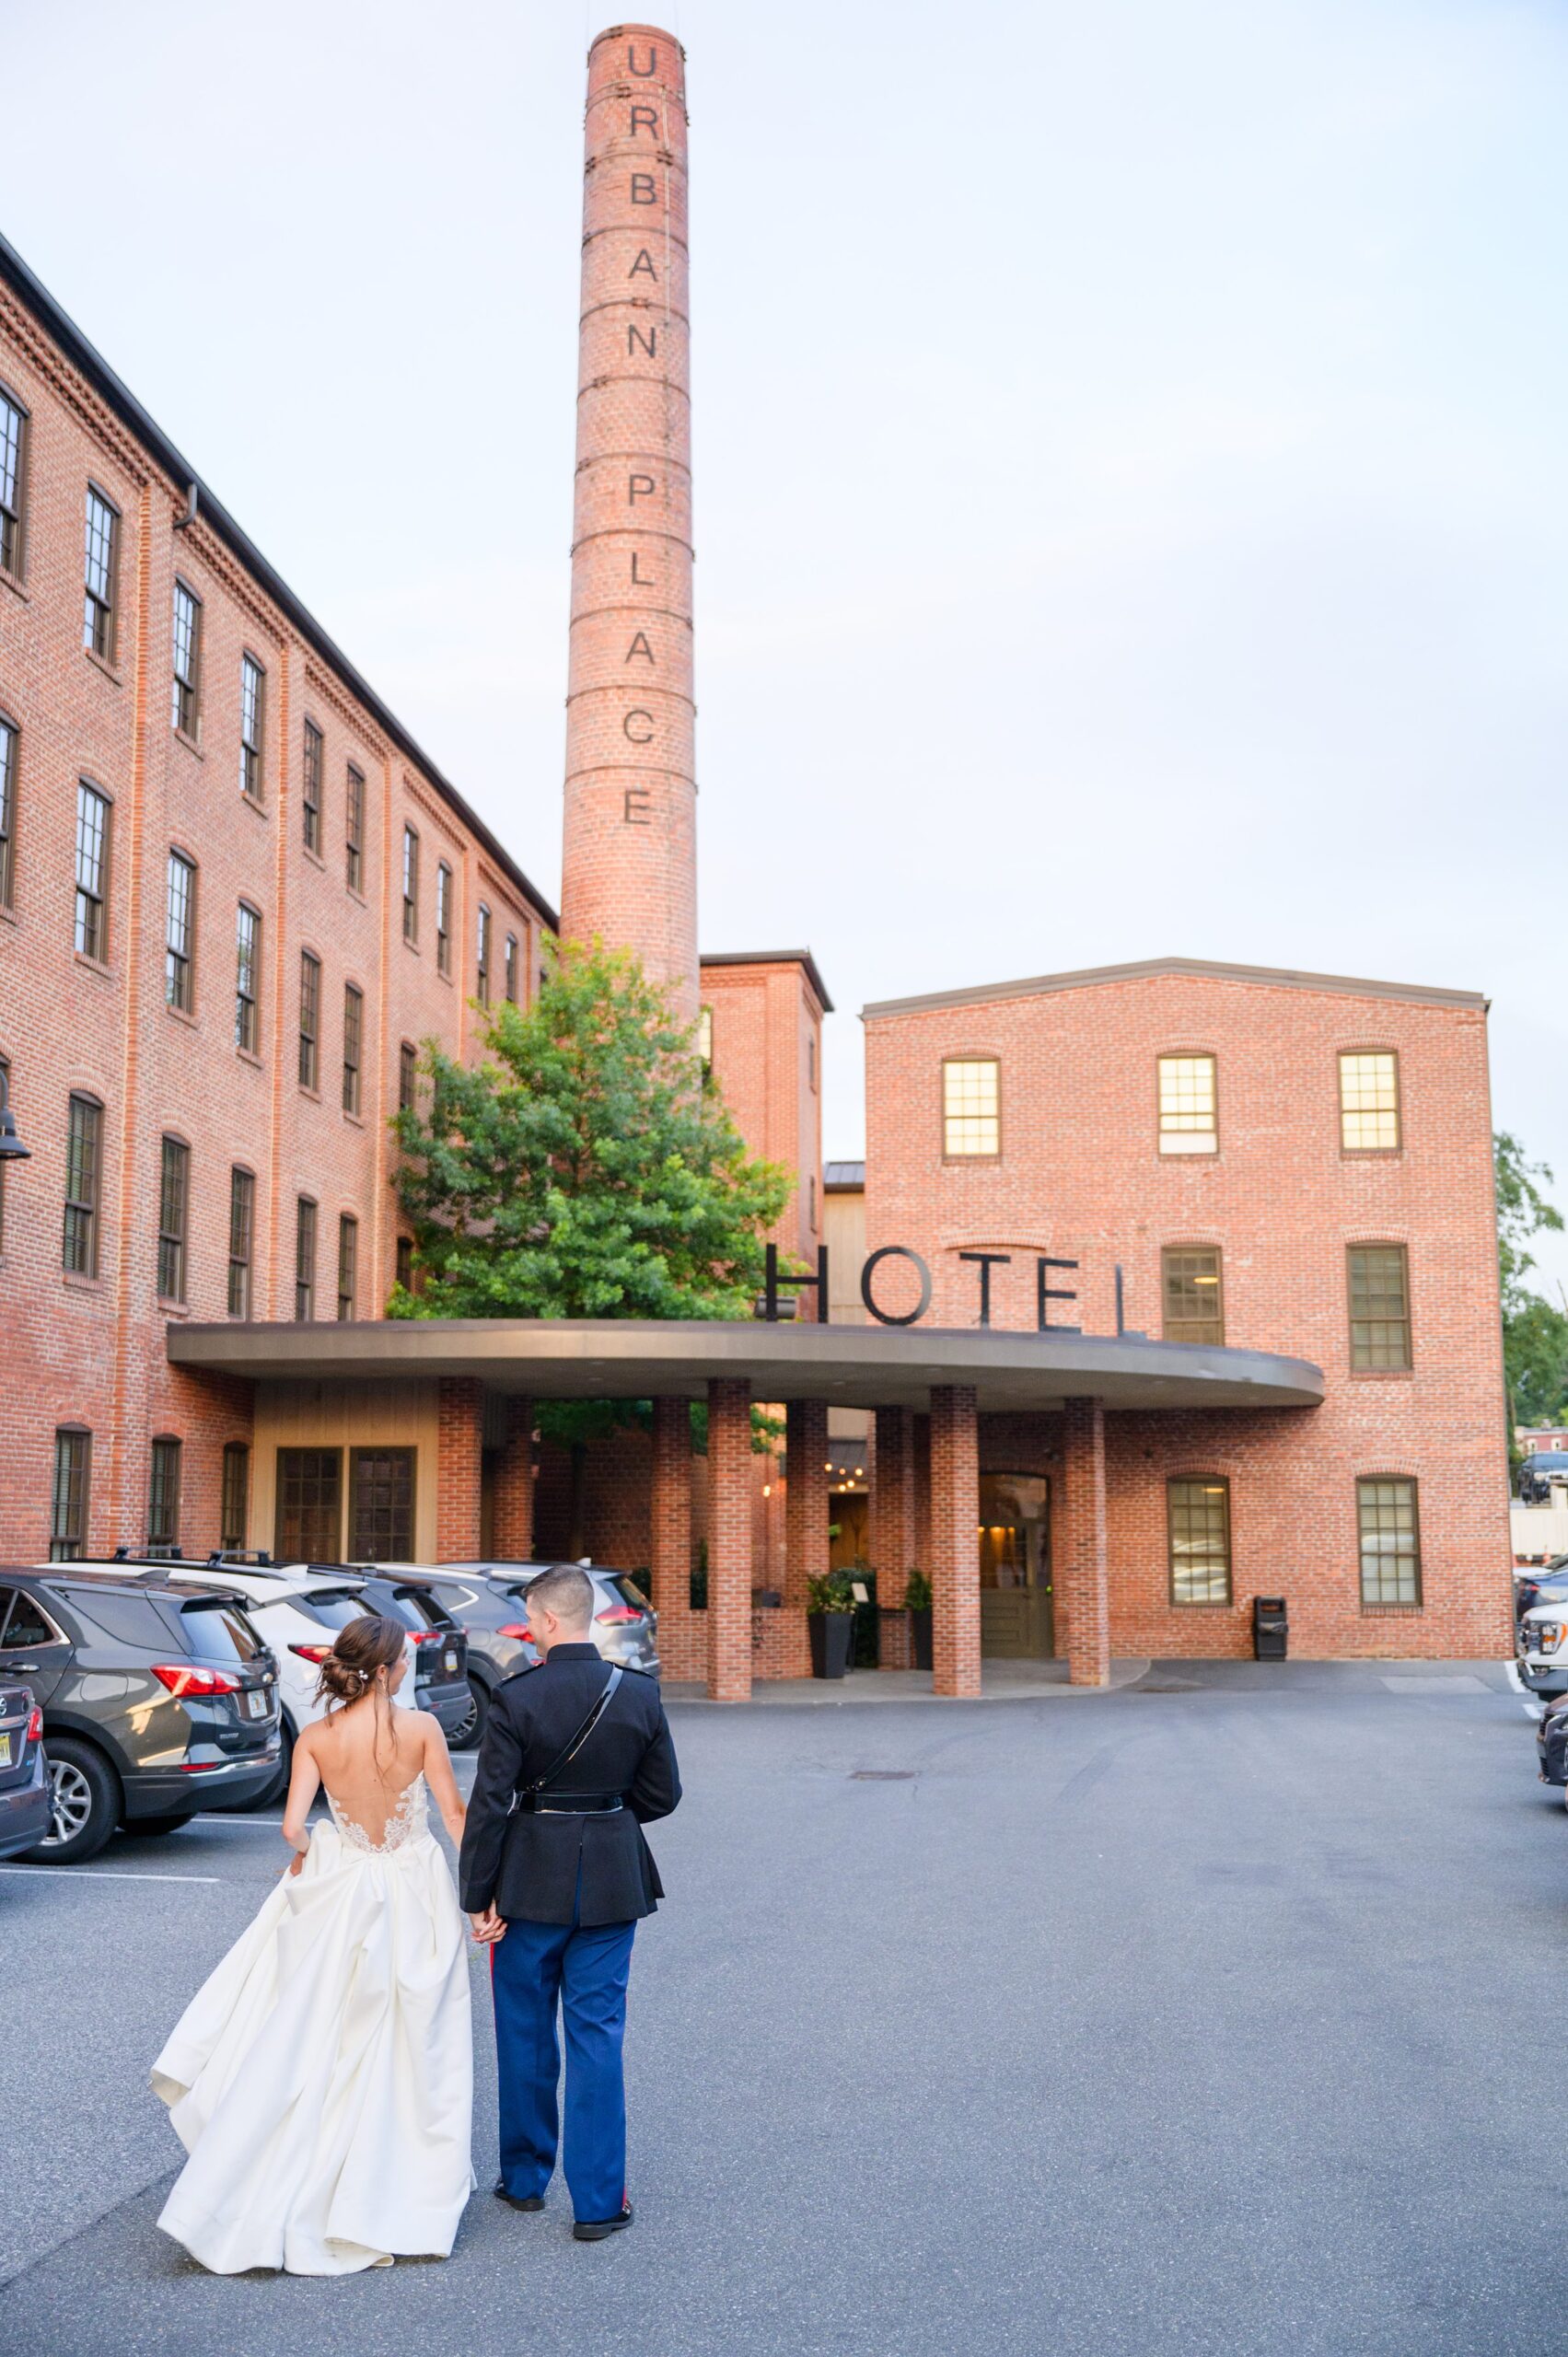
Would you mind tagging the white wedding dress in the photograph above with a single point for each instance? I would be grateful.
(321, 2080)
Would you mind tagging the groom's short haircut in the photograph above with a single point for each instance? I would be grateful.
(566, 1591)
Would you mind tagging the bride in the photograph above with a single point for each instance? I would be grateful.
(321, 2081)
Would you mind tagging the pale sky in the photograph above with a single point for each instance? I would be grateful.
(1130, 447)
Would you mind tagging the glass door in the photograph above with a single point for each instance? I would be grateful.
(1016, 1618)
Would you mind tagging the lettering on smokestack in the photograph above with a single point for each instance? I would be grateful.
(629, 866)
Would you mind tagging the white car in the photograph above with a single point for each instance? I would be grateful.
(1540, 1648)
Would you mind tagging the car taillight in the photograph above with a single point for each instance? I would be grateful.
(35, 1725)
(517, 1629)
(312, 1653)
(618, 1616)
(185, 1678)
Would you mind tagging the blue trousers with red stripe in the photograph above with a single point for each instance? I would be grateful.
(535, 1969)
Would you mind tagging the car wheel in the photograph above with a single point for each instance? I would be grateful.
(269, 1795)
(146, 1829)
(471, 1735)
(83, 1793)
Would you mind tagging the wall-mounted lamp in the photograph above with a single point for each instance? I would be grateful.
(11, 1147)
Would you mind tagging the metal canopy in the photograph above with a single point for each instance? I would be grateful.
(849, 1366)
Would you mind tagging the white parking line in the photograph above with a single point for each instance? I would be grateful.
(234, 1824)
(108, 1874)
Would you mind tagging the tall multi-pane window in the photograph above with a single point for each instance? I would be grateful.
(12, 483)
(92, 872)
(405, 1262)
(5, 1078)
(1188, 1104)
(180, 934)
(234, 1512)
(100, 566)
(348, 1266)
(1390, 1541)
(1192, 1293)
(242, 1240)
(68, 1503)
(408, 1074)
(972, 1105)
(163, 1494)
(353, 1032)
(84, 1145)
(304, 1261)
(8, 742)
(174, 1199)
(411, 885)
(442, 918)
(512, 969)
(1379, 1308)
(310, 1019)
(705, 1036)
(186, 703)
(247, 979)
(1369, 1101)
(354, 829)
(482, 957)
(253, 719)
(1198, 1519)
(311, 801)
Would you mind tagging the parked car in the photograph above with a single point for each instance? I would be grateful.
(498, 1641)
(625, 1626)
(1536, 1474)
(441, 1650)
(24, 1779)
(157, 1701)
(1541, 1649)
(1543, 1583)
(1551, 1744)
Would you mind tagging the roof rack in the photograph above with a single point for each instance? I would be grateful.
(237, 1558)
(148, 1555)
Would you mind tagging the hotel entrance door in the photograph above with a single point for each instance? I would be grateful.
(1015, 1621)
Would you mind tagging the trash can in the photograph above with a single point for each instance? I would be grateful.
(1271, 1628)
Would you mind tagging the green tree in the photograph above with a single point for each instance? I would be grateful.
(1535, 1334)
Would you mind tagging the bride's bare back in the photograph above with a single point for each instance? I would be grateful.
(367, 1755)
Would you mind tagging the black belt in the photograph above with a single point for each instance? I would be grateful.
(568, 1804)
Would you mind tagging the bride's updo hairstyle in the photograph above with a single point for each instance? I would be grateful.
(372, 1643)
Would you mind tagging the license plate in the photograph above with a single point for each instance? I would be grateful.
(450, 1662)
(256, 1703)
(4, 1750)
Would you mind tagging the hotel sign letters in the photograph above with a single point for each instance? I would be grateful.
(817, 1281)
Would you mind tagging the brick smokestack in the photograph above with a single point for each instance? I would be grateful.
(630, 867)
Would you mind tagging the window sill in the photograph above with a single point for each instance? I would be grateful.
(971, 1161)
(1177, 1606)
(100, 663)
(1371, 1154)
(313, 1094)
(354, 1121)
(173, 1308)
(314, 857)
(356, 894)
(1391, 1611)
(1381, 1373)
(412, 947)
(8, 915)
(93, 966)
(443, 974)
(190, 743)
(181, 1014)
(80, 1284)
(1189, 1153)
(250, 802)
(14, 583)
(248, 1056)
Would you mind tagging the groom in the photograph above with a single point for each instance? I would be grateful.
(555, 1873)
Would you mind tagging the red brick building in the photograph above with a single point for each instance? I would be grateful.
(1181, 1280)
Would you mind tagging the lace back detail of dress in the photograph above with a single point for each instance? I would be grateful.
(408, 1822)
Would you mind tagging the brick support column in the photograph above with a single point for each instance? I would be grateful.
(920, 1438)
(1081, 1581)
(730, 1539)
(512, 1521)
(458, 1462)
(892, 1504)
(955, 1544)
(805, 1499)
(681, 1637)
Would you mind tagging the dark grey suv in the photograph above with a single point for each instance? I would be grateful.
(158, 1701)
(24, 1787)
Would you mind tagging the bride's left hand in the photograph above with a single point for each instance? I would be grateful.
(295, 1862)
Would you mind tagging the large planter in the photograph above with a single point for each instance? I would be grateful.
(831, 1634)
(920, 1636)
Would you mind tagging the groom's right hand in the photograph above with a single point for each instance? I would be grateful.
(488, 1928)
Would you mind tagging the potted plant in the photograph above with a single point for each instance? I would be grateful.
(830, 1609)
(917, 1604)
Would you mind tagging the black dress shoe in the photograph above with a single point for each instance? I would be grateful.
(594, 2230)
(519, 2201)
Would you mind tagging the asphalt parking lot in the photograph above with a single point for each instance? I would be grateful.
(1216, 2013)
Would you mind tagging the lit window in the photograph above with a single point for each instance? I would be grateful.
(311, 804)
(705, 1036)
(1198, 1514)
(92, 872)
(187, 660)
(1379, 1308)
(304, 1261)
(174, 1190)
(309, 1017)
(482, 957)
(68, 1505)
(411, 885)
(84, 1137)
(1186, 1105)
(235, 1510)
(100, 565)
(163, 1494)
(1369, 1102)
(1390, 1542)
(354, 829)
(8, 741)
(253, 689)
(971, 1118)
(13, 457)
(442, 918)
(180, 937)
(348, 1266)
(241, 1232)
(247, 979)
(354, 1029)
(1192, 1295)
